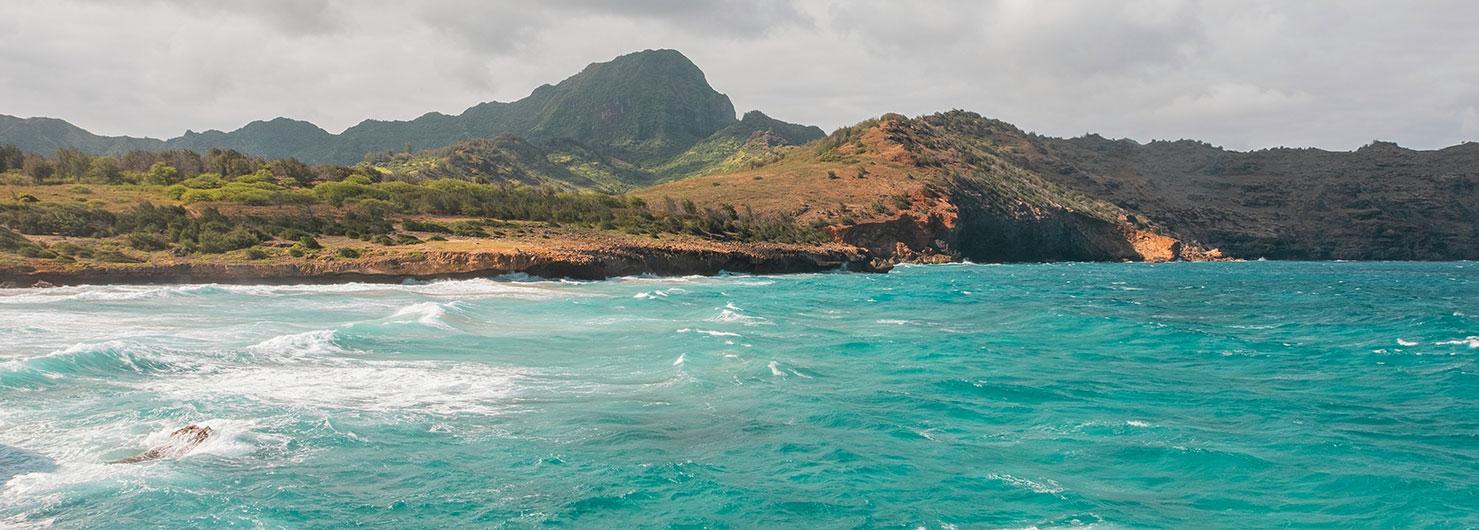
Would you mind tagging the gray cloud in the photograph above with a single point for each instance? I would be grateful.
(1249, 74)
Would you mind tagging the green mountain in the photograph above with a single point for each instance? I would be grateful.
(274, 139)
(45, 135)
(642, 109)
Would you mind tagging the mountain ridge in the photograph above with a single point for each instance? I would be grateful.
(644, 107)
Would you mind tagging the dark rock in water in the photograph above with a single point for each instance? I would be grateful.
(43, 284)
(8, 285)
(180, 443)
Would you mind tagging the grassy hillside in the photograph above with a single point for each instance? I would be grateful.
(508, 159)
(754, 141)
(883, 161)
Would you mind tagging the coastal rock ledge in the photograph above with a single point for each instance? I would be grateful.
(575, 263)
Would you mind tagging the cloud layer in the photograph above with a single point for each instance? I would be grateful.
(1334, 74)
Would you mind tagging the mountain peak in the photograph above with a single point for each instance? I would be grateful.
(647, 106)
(654, 56)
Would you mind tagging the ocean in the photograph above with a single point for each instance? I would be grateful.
(1179, 395)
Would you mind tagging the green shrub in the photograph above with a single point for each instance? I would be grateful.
(347, 252)
(255, 253)
(203, 181)
(146, 241)
(65, 247)
(215, 242)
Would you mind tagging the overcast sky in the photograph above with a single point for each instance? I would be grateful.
(1242, 74)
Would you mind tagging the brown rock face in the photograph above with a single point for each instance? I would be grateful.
(983, 233)
(908, 237)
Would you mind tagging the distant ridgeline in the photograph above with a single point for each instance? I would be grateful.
(947, 186)
(638, 119)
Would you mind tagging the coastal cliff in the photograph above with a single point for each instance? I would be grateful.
(915, 191)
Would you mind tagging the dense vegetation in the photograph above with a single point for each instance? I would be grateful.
(287, 204)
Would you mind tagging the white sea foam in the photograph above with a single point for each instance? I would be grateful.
(113, 355)
(284, 348)
(424, 313)
(1401, 342)
(709, 332)
(728, 315)
(78, 453)
(661, 293)
(473, 288)
(483, 288)
(1047, 486)
(101, 293)
(1471, 341)
(682, 357)
(374, 386)
(775, 369)
(1137, 423)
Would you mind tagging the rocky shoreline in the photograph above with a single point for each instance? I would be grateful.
(577, 263)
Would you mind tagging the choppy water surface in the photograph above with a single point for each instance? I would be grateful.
(1226, 395)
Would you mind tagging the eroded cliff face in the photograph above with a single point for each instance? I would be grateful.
(922, 234)
(977, 207)
(988, 229)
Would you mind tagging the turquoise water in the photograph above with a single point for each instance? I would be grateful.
(1188, 395)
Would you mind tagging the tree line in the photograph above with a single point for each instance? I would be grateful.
(368, 204)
